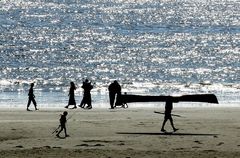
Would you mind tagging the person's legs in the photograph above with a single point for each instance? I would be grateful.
(65, 131)
(112, 98)
(74, 102)
(82, 104)
(163, 125)
(34, 103)
(28, 104)
(119, 100)
(74, 106)
(89, 101)
(171, 121)
(59, 131)
(67, 105)
(166, 117)
(89, 105)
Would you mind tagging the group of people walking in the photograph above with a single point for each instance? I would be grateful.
(114, 94)
(87, 99)
(114, 97)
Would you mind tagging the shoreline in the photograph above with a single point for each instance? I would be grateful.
(99, 100)
(106, 106)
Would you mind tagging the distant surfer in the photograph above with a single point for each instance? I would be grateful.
(114, 89)
(63, 121)
(168, 115)
(31, 98)
(87, 87)
(72, 96)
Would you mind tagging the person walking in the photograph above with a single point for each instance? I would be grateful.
(63, 121)
(114, 88)
(168, 115)
(31, 98)
(71, 95)
(87, 87)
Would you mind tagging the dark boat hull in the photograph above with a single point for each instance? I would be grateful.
(208, 98)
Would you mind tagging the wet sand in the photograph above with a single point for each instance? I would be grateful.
(203, 132)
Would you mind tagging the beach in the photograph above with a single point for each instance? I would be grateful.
(151, 47)
(132, 132)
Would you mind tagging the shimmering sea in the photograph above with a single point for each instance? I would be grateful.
(152, 47)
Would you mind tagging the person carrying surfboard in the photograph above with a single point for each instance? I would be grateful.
(168, 115)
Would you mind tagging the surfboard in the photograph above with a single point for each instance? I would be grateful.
(208, 98)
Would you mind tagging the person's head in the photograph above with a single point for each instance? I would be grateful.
(86, 80)
(65, 113)
(115, 82)
(32, 84)
(72, 84)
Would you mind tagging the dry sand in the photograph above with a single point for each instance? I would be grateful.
(204, 132)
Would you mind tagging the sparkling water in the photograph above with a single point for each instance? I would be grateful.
(151, 47)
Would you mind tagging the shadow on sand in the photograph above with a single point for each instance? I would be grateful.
(167, 133)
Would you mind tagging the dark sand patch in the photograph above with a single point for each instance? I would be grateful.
(96, 153)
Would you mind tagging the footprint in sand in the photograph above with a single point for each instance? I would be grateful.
(178, 149)
(121, 144)
(47, 147)
(82, 145)
(98, 145)
(86, 145)
(221, 143)
(141, 124)
(198, 142)
(43, 147)
(196, 147)
(56, 147)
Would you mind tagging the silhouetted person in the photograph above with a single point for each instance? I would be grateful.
(63, 121)
(71, 96)
(114, 88)
(31, 98)
(168, 115)
(87, 87)
(119, 101)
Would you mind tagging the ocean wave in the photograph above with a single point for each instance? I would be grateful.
(130, 87)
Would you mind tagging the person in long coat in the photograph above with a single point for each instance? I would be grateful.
(87, 87)
(71, 95)
(114, 93)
